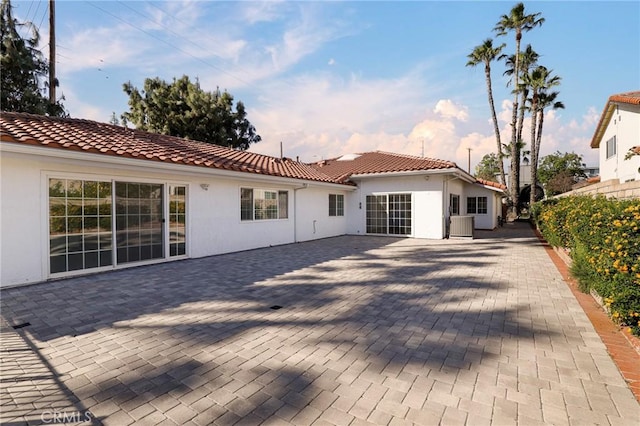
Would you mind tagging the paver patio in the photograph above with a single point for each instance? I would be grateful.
(372, 330)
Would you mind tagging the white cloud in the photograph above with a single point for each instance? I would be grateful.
(447, 108)
(331, 61)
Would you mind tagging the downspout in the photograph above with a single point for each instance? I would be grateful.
(295, 210)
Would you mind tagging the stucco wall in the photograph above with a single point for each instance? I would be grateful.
(213, 215)
(490, 219)
(611, 189)
(313, 220)
(427, 220)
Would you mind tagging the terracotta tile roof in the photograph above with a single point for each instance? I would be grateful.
(492, 184)
(630, 98)
(106, 139)
(377, 162)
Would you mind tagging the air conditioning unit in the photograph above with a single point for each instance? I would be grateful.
(461, 226)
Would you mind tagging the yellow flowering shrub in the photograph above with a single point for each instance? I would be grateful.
(604, 238)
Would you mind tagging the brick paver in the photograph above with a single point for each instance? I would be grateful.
(372, 330)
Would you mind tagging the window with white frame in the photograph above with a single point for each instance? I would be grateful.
(336, 205)
(611, 147)
(263, 204)
(476, 205)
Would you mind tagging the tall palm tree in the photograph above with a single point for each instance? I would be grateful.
(528, 60)
(545, 100)
(518, 22)
(539, 80)
(485, 54)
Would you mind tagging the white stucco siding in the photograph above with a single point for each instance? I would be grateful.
(625, 126)
(21, 248)
(490, 219)
(215, 219)
(313, 220)
(426, 196)
(214, 224)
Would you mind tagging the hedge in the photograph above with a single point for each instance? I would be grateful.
(603, 236)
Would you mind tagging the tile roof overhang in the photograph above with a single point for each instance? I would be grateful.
(72, 138)
(629, 98)
(494, 186)
(379, 163)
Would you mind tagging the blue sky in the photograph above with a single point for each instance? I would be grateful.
(329, 78)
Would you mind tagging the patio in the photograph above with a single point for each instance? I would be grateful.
(347, 330)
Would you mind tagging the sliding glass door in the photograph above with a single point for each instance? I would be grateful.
(389, 214)
(139, 222)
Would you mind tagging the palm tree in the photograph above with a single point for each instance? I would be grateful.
(528, 60)
(485, 54)
(545, 100)
(518, 22)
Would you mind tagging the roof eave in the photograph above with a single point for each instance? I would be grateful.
(602, 124)
(186, 169)
(448, 170)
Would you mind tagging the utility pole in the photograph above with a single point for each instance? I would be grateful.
(469, 161)
(52, 52)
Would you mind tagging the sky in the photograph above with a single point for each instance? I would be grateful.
(327, 78)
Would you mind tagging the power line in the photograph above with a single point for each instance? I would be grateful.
(170, 44)
(43, 16)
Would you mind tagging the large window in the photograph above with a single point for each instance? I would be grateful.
(389, 214)
(476, 205)
(262, 204)
(611, 147)
(336, 205)
(79, 225)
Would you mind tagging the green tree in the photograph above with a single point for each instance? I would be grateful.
(558, 171)
(485, 54)
(23, 69)
(489, 168)
(181, 108)
(518, 22)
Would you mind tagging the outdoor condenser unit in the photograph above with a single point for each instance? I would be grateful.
(461, 226)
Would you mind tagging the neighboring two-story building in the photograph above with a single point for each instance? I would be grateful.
(617, 135)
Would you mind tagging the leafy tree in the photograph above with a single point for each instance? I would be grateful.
(485, 54)
(181, 108)
(488, 168)
(518, 22)
(558, 172)
(23, 67)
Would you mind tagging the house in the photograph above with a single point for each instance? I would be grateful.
(80, 196)
(414, 196)
(617, 134)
